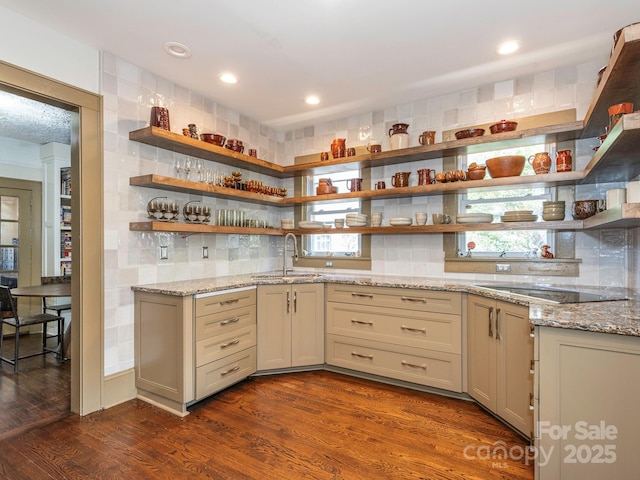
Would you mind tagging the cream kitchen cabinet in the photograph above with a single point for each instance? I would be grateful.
(588, 424)
(499, 360)
(290, 326)
(187, 348)
(404, 334)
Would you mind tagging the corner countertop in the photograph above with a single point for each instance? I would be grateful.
(615, 317)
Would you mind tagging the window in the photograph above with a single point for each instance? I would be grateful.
(332, 245)
(507, 243)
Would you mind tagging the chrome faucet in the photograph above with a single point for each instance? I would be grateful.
(295, 252)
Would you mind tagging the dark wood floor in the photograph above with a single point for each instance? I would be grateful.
(312, 425)
(38, 394)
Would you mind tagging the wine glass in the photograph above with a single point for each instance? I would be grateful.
(178, 166)
(188, 165)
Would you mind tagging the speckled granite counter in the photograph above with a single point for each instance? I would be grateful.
(619, 317)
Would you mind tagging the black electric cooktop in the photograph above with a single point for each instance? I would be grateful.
(553, 295)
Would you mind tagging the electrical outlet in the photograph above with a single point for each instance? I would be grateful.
(164, 252)
(328, 264)
(205, 252)
(503, 267)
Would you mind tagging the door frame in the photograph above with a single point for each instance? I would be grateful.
(87, 281)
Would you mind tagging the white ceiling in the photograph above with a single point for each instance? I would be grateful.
(356, 55)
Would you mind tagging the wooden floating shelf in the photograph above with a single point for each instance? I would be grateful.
(546, 180)
(174, 142)
(190, 228)
(187, 186)
(615, 160)
(618, 84)
(623, 216)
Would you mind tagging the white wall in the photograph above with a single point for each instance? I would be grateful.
(33, 46)
(20, 160)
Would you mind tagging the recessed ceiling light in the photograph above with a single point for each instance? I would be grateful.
(228, 78)
(510, 46)
(177, 49)
(312, 100)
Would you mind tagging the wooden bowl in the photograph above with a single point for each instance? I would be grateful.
(505, 166)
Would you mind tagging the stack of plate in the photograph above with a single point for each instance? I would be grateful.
(308, 224)
(356, 220)
(286, 224)
(400, 221)
(474, 218)
(519, 216)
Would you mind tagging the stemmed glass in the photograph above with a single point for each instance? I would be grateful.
(178, 166)
(188, 164)
(200, 173)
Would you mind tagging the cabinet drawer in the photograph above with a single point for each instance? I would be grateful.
(220, 302)
(404, 298)
(215, 348)
(215, 376)
(434, 331)
(424, 367)
(221, 323)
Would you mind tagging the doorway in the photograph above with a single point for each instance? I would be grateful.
(87, 280)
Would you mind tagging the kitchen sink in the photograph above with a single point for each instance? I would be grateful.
(278, 276)
(551, 294)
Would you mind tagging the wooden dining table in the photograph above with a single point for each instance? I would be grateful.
(49, 290)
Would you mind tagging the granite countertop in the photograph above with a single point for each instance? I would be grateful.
(616, 317)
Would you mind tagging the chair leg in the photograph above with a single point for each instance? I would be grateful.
(16, 351)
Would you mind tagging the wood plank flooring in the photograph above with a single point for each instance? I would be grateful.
(38, 394)
(311, 425)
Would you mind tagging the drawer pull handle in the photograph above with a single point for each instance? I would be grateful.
(413, 299)
(228, 344)
(532, 367)
(231, 370)
(531, 401)
(364, 295)
(532, 331)
(227, 302)
(491, 322)
(411, 329)
(230, 320)
(498, 336)
(413, 365)
(362, 322)
(360, 355)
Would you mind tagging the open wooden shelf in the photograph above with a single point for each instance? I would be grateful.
(623, 216)
(448, 228)
(619, 82)
(616, 159)
(167, 140)
(187, 186)
(547, 180)
(190, 228)
(546, 134)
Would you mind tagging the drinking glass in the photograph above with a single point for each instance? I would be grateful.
(178, 166)
(188, 165)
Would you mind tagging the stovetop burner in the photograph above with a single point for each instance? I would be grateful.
(553, 295)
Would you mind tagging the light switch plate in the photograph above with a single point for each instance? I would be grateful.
(164, 252)
(205, 252)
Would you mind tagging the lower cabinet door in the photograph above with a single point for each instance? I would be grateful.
(424, 367)
(222, 373)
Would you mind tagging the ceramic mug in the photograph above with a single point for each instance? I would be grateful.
(354, 184)
(324, 156)
(440, 218)
(381, 185)
(374, 148)
(351, 152)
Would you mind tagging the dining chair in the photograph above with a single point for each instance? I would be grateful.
(9, 304)
(48, 307)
